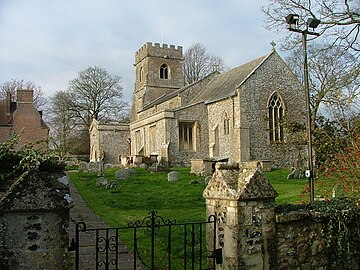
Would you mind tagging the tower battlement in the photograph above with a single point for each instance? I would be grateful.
(157, 50)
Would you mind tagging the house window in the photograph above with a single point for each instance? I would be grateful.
(276, 119)
(226, 125)
(164, 71)
(186, 136)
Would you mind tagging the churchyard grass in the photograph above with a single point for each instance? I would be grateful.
(144, 191)
(140, 193)
(289, 190)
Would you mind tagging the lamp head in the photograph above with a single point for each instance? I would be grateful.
(313, 23)
(292, 19)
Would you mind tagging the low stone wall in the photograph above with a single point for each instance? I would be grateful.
(34, 223)
(254, 234)
(299, 242)
(95, 166)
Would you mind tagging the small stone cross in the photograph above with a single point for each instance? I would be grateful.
(273, 44)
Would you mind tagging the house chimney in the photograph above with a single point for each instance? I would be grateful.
(8, 102)
(24, 96)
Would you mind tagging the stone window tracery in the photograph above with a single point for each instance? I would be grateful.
(186, 136)
(226, 122)
(276, 119)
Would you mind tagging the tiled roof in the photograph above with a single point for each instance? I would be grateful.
(225, 85)
(175, 93)
(220, 87)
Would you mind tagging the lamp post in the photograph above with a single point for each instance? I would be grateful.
(293, 25)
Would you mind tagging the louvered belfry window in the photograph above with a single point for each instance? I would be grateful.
(164, 71)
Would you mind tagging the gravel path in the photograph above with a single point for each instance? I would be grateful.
(80, 212)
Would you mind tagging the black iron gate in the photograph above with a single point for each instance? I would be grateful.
(156, 243)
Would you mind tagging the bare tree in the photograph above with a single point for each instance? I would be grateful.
(96, 94)
(13, 85)
(62, 122)
(333, 79)
(198, 63)
(340, 20)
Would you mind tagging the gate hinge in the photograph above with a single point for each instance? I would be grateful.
(217, 254)
(73, 245)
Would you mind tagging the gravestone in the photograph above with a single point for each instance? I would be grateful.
(138, 160)
(173, 176)
(122, 174)
(143, 165)
(93, 167)
(112, 185)
(101, 181)
(83, 166)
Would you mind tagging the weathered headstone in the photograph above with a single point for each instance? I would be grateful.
(64, 180)
(295, 174)
(138, 160)
(101, 181)
(93, 167)
(70, 163)
(298, 162)
(83, 166)
(109, 166)
(143, 165)
(173, 176)
(111, 185)
(122, 174)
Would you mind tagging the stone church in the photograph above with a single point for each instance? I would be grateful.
(240, 115)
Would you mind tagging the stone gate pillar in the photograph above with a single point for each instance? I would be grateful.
(243, 201)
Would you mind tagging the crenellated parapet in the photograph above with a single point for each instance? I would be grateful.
(157, 50)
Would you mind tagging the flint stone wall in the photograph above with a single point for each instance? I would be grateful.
(250, 232)
(299, 242)
(34, 222)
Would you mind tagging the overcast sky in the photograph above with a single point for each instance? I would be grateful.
(49, 41)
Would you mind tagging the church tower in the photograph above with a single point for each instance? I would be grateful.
(158, 72)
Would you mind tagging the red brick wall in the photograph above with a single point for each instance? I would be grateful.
(27, 122)
(24, 96)
(4, 134)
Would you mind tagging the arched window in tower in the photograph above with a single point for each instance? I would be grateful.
(164, 71)
(141, 74)
(276, 109)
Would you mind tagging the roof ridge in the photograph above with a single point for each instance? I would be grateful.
(264, 58)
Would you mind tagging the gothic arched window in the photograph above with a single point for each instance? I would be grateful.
(276, 119)
(164, 71)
